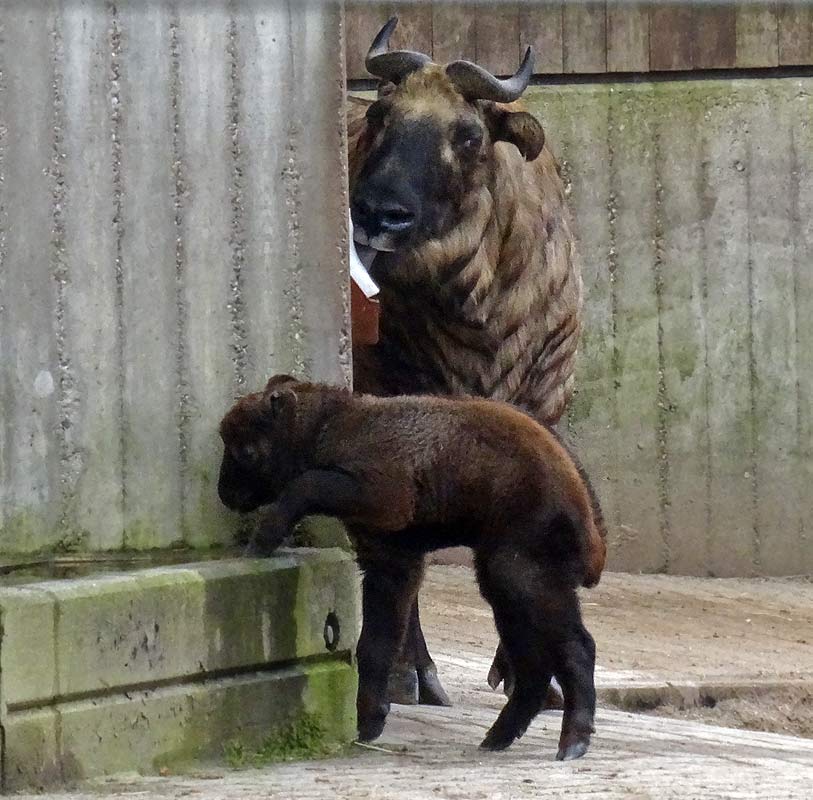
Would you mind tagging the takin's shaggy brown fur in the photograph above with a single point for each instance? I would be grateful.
(481, 292)
(412, 474)
(492, 307)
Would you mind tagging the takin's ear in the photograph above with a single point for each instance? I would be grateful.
(517, 127)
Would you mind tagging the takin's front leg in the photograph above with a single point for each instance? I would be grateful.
(414, 677)
(389, 588)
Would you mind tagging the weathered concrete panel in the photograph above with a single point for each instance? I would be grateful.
(162, 625)
(801, 210)
(88, 286)
(703, 199)
(32, 259)
(577, 122)
(203, 172)
(634, 211)
(163, 666)
(683, 273)
(150, 432)
(172, 231)
(774, 335)
(174, 727)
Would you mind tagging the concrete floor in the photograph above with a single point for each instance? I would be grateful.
(681, 642)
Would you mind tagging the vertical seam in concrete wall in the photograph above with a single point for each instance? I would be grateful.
(662, 439)
(57, 689)
(346, 341)
(181, 360)
(292, 183)
(752, 376)
(237, 237)
(3, 266)
(795, 222)
(612, 265)
(3, 705)
(563, 168)
(703, 192)
(66, 389)
(118, 226)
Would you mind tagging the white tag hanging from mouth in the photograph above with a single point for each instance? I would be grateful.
(361, 259)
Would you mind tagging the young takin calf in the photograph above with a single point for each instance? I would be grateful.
(412, 474)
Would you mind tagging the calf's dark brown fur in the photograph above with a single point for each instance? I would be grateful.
(413, 474)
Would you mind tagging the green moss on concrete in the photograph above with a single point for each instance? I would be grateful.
(25, 532)
(301, 739)
(331, 694)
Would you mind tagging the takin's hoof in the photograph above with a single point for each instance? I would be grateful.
(371, 729)
(430, 692)
(403, 686)
(573, 751)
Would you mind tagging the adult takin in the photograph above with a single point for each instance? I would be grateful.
(455, 187)
(412, 474)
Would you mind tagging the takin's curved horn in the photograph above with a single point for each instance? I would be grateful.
(476, 83)
(395, 65)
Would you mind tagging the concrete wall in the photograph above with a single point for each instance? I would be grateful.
(694, 413)
(172, 231)
(160, 669)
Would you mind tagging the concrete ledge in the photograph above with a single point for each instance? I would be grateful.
(163, 666)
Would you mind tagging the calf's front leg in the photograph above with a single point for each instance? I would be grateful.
(317, 491)
(389, 589)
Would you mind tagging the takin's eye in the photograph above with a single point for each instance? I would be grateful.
(467, 138)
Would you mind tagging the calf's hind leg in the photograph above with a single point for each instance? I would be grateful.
(389, 588)
(538, 619)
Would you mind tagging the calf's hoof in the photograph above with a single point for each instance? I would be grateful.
(371, 729)
(430, 692)
(499, 737)
(573, 750)
(496, 742)
(403, 686)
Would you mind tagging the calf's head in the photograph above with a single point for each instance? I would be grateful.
(428, 144)
(256, 445)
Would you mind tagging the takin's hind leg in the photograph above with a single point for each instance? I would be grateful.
(502, 672)
(539, 623)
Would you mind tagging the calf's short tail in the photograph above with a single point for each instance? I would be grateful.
(595, 556)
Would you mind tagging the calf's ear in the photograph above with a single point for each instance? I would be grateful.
(517, 127)
(278, 403)
(278, 381)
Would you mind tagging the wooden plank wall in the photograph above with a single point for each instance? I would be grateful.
(592, 37)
